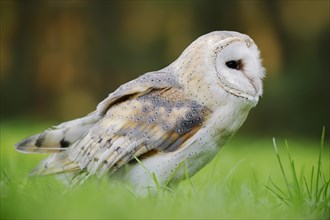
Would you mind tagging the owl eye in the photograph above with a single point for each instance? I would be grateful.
(233, 64)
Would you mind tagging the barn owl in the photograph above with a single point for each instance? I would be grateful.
(150, 126)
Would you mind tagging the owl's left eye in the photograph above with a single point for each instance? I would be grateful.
(233, 64)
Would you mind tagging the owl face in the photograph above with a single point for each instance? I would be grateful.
(218, 64)
(238, 67)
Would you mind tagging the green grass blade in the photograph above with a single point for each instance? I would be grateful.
(154, 178)
(327, 184)
(312, 178)
(278, 196)
(152, 175)
(281, 166)
(307, 189)
(278, 188)
(293, 170)
(186, 170)
(322, 137)
(318, 174)
(232, 170)
(319, 165)
(173, 174)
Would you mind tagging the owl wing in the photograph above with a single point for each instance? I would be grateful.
(140, 122)
(60, 137)
(159, 121)
(141, 85)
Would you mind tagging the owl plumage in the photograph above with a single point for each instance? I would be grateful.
(183, 113)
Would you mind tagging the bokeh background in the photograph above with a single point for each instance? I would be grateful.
(60, 58)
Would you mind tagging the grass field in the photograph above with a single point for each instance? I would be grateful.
(244, 181)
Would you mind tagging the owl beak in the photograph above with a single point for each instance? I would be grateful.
(257, 86)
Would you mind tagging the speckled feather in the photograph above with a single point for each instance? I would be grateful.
(160, 120)
(182, 113)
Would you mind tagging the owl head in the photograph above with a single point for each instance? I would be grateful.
(230, 60)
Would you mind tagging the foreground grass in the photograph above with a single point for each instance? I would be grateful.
(236, 184)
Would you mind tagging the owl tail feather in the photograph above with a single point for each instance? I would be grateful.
(66, 170)
(57, 163)
(59, 138)
(46, 142)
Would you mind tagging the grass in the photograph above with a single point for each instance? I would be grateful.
(247, 179)
(311, 196)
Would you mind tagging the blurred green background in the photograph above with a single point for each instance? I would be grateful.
(60, 58)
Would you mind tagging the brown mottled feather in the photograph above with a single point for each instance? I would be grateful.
(160, 120)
